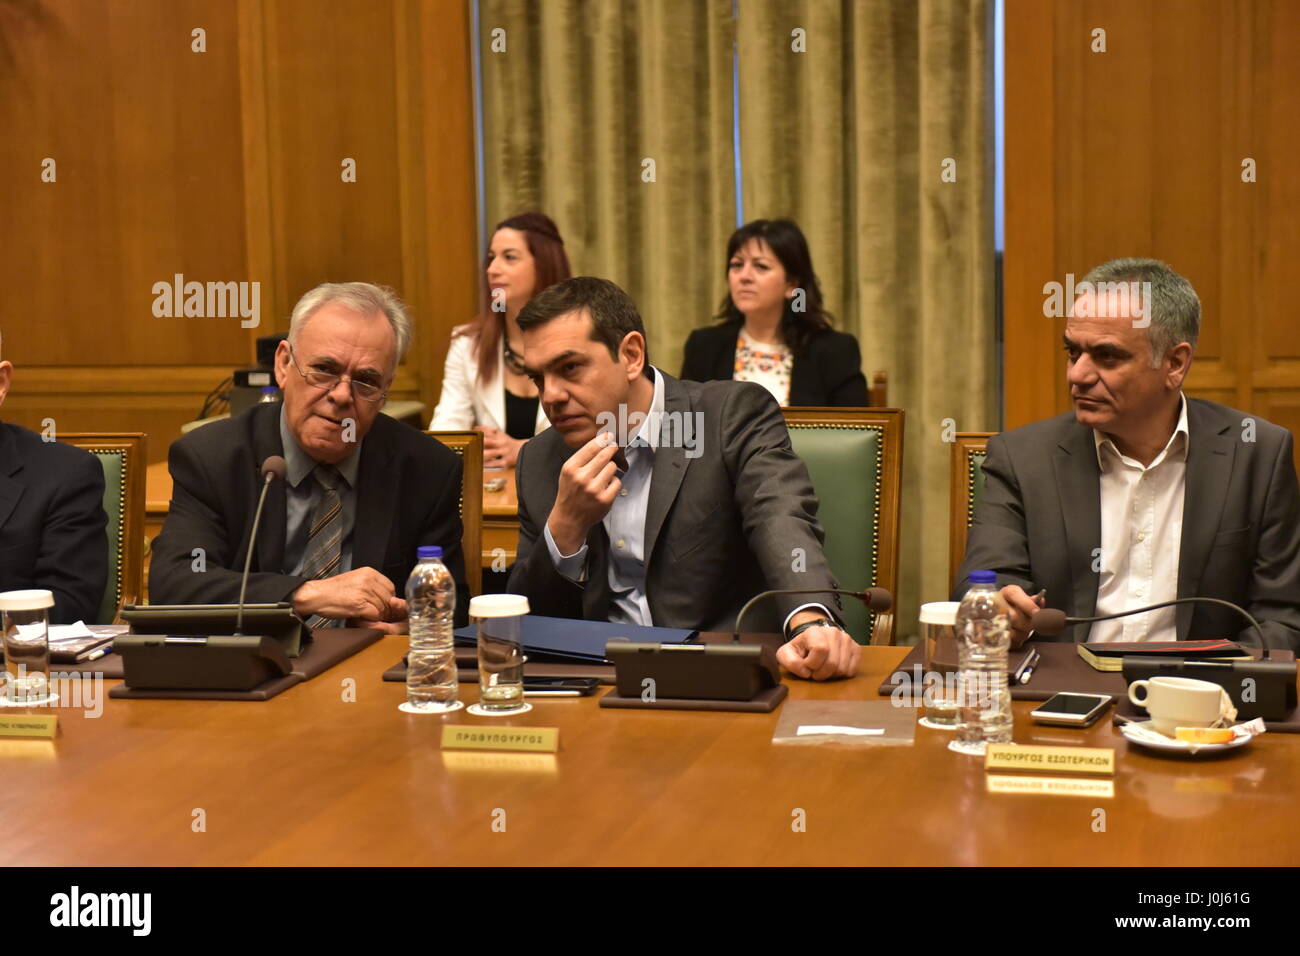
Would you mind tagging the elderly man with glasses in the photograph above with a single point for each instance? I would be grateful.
(361, 492)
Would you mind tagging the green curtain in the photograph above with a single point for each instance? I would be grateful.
(877, 140)
(855, 138)
(583, 94)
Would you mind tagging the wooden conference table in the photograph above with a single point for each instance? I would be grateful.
(310, 777)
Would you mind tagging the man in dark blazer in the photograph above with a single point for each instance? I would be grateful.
(708, 506)
(362, 492)
(826, 371)
(52, 520)
(1141, 495)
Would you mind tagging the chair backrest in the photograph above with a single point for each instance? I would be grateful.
(967, 486)
(855, 458)
(469, 445)
(122, 455)
(878, 390)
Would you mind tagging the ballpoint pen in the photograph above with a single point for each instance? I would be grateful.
(1027, 665)
(1027, 668)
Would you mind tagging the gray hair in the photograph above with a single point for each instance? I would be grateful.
(362, 298)
(1173, 308)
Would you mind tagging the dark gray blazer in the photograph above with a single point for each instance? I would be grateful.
(408, 494)
(827, 372)
(1040, 519)
(719, 528)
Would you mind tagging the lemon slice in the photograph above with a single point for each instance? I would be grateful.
(1204, 735)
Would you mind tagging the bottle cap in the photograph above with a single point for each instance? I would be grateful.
(26, 600)
(983, 577)
(498, 605)
(428, 551)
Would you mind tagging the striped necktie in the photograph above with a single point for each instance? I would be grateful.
(325, 537)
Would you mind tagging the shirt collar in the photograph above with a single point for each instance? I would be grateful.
(647, 432)
(1103, 441)
(300, 464)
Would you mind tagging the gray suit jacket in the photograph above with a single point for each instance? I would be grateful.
(719, 527)
(1040, 519)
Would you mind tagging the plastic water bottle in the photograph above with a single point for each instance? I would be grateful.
(270, 395)
(983, 640)
(431, 684)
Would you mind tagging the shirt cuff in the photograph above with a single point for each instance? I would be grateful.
(785, 628)
(569, 566)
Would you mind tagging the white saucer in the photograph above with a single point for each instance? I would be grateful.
(1177, 746)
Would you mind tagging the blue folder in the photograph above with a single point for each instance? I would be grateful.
(565, 639)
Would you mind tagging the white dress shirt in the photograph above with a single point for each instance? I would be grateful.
(625, 525)
(1141, 533)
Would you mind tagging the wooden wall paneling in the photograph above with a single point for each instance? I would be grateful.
(133, 106)
(223, 166)
(451, 251)
(257, 132)
(414, 248)
(1277, 351)
(1030, 379)
(332, 98)
(141, 128)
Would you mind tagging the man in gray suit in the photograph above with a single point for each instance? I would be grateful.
(1141, 495)
(704, 506)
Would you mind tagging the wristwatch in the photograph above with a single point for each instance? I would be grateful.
(816, 622)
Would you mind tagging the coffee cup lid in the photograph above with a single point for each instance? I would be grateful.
(498, 605)
(33, 600)
(940, 612)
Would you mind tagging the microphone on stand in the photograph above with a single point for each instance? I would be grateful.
(876, 599)
(1051, 621)
(272, 468)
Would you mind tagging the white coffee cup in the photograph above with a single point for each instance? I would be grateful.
(1178, 702)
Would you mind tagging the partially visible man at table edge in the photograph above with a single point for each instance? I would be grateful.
(52, 520)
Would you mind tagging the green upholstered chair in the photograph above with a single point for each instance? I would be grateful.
(469, 445)
(968, 451)
(855, 458)
(122, 456)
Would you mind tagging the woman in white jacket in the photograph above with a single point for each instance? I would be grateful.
(484, 386)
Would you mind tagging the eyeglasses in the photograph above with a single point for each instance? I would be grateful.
(325, 381)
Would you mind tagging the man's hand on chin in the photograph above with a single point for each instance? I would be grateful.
(819, 653)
